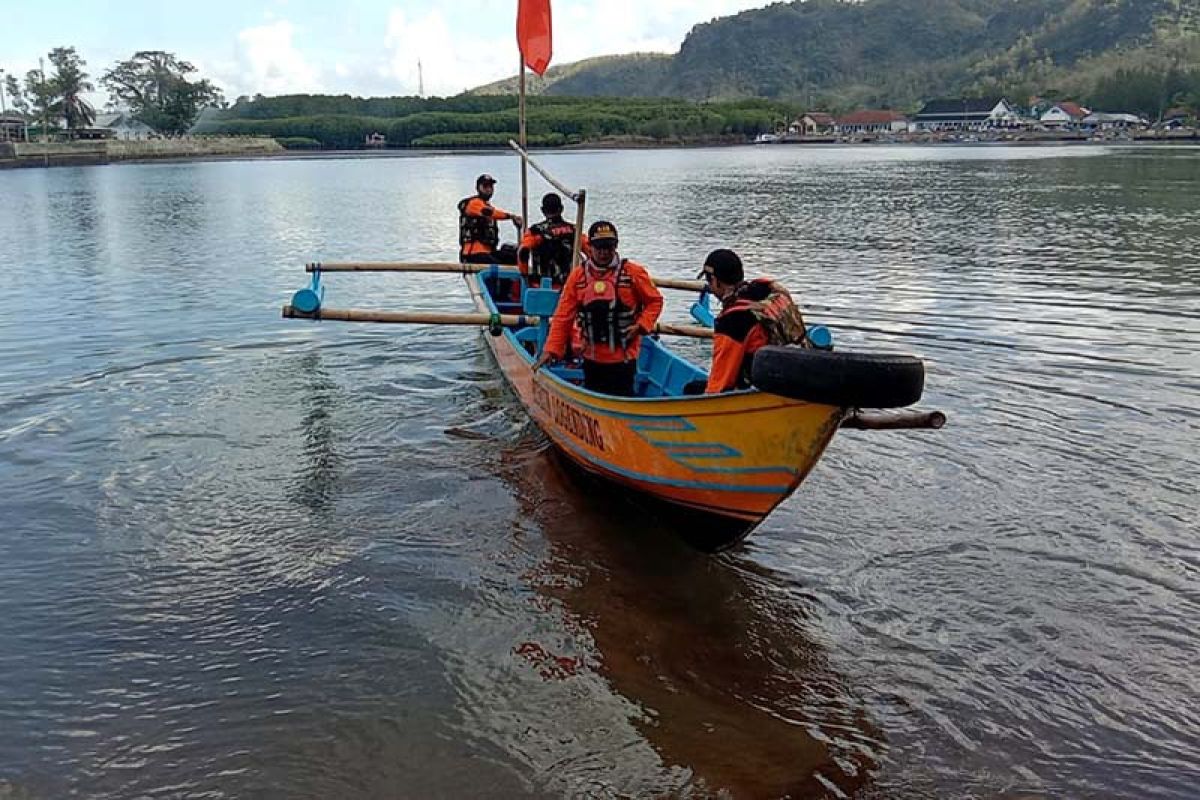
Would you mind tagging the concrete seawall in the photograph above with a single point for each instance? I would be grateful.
(57, 154)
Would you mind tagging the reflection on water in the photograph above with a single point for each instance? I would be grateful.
(243, 556)
(717, 659)
(319, 481)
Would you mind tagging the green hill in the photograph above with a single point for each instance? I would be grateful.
(851, 53)
(590, 77)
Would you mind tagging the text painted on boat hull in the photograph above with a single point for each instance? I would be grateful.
(581, 425)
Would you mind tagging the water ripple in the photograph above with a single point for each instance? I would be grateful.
(246, 556)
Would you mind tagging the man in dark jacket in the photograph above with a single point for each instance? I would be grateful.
(546, 246)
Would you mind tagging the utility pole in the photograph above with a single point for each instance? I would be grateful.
(45, 104)
(3, 105)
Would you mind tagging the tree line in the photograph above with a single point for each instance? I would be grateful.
(156, 87)
(469, 120)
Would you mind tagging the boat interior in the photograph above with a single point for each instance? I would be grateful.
(660, 373)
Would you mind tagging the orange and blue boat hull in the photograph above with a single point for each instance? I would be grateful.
(734, 457)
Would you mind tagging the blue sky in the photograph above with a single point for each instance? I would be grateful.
(360, 47)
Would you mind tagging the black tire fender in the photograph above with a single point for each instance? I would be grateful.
(839, 378)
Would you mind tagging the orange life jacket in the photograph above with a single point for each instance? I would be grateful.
(776, 311)
(552, 256)
(476, 229)
(602, 315)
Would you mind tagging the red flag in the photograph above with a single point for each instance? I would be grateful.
(533, 33)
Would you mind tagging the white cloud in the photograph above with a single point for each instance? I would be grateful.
(269, 63)
(375, 52)
(479, 45)
(450, 60)
(606, 27)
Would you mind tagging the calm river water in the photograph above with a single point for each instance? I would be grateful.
(248, 557)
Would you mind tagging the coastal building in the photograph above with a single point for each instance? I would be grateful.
(12, 127)
(966, 113)
(814, 123)
(876, 122)
(375, 140)
(1064, 115)
(1103, 121)
(1178, 117)
(120, 125)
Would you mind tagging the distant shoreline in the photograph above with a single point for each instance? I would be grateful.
(62, 158)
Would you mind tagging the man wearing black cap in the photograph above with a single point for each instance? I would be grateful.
(615, 304)
(546, 247)
(753, 314)
(478, 234)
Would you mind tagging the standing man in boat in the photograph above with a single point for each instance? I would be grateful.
(546, 246)
(615, 303)
(478, 234)
(753, 314)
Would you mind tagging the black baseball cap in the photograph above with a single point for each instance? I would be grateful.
(602, 231)
(484, 178)
(724, 265)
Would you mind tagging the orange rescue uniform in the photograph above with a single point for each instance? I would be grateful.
(755, 314)
(533, 237)
(634, 290)
(478, 207)
(737, 336)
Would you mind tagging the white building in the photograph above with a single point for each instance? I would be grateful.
(871, 122)
(966, 113)
(1103, 121)
(123, 126)
(1064, 115)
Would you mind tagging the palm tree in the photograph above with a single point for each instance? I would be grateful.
(69, 84)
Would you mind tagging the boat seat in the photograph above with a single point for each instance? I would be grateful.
(541, 303)
(663, 374)
(500, 282)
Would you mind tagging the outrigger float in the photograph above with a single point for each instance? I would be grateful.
(721, 462)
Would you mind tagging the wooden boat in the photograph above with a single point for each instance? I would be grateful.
(731, 457)
(722, 462)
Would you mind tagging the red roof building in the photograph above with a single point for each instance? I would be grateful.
(872, 122)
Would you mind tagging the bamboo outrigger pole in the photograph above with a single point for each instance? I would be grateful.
(894, 420)
(466, 318)
(468, 269)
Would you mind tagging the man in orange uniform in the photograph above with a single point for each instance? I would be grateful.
(478, 234)
(546, 246)
(616, 304)
(753, 314)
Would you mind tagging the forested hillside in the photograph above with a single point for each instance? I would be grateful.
(894, 53)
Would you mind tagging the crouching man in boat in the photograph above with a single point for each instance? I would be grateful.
(753, 314)
(615, 303)
(546, 247)
(478, 234)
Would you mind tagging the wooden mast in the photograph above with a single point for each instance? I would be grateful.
(521, 138)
